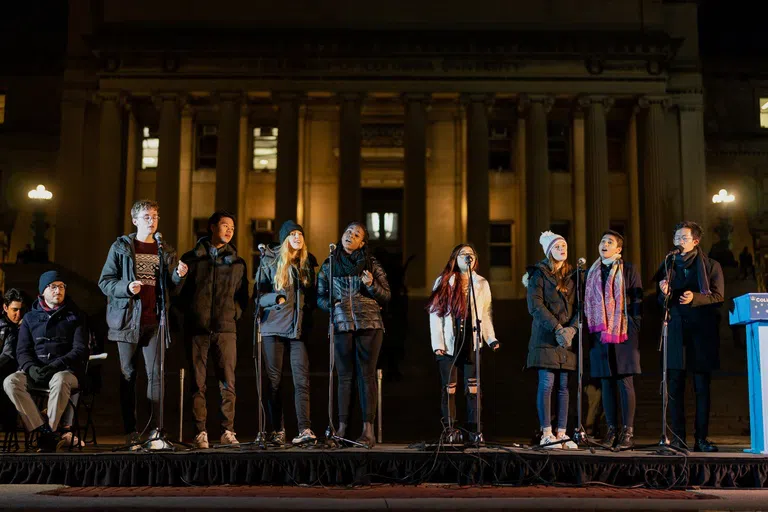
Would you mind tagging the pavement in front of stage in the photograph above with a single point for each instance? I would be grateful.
(383, 497)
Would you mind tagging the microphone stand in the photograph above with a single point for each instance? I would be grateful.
(476, 438)
(331, 438)
(580, 436)
(664, 446)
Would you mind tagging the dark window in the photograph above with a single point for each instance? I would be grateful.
(619, 226)
(207, 144)
(562, 228)
(501, 244)
(500, 154)
(616, 132)
(558, 146)
(263, 233)
(199, 227)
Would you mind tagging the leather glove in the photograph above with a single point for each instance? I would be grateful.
(47, 372)
(565, 336)
(34, 372)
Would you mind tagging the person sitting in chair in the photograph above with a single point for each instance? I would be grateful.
(52, 353)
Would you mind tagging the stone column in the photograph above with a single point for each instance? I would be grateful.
(287, 176)
(633, 252)
(537, 189)
(109, 200)
(186, 239)
(693, 158)
(243, 235)
(478, 192)
(350, 141)
(598, 205)
(227, 154)
(132, 156)
(654, 240)
(579, 243)
(70, 195)
(168, 165)
(415, 177)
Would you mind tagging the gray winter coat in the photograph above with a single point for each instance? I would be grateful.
(292, 318)
(355, 305)
(123, 308)
(215, 290)
(549, 308)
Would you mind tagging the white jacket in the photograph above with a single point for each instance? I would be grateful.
(441, 328)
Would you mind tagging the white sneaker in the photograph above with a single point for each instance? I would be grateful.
(306, 436)
(551, 443)
(201, 440)
(567, 443)
(228, 437)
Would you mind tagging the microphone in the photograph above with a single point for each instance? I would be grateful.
(468, 258)
(262, 248)
(581, 261)
(676, 250)
(158, 238)
(331, 247)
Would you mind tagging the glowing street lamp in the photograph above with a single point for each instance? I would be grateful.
(723, 197)
(40, 193)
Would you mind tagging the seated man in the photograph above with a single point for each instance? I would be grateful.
(10, 319)
(52, 352)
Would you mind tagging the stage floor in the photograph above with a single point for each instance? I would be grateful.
(495, 464)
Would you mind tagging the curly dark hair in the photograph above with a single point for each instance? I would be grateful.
(13, 295)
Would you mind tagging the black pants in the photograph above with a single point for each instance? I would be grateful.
(223, 348)
(448, 367)
(8, 414)
(701, 385)
(274, 350)
(626, 386)
(358, 350)
(129, 353)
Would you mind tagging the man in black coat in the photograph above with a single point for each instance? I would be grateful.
(614, 291)
(10, 320)
(52, 353)
(213, 298)
(694, 294)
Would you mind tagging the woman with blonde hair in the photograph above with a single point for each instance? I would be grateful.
(288, 294)
(551, 293)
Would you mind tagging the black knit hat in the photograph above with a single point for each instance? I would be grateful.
(47, 278)
(286, 229)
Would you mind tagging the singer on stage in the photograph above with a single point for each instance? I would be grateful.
(359, 289)
(551, 293)
(695, 289)
(128, 280)
(453, 340)
(213, 297)
(288, 296)
(613, 301)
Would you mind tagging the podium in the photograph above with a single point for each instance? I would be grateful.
(752, 310)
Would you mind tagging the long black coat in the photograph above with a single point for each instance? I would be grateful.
(693, 341)
(611, 359)
(549, 308)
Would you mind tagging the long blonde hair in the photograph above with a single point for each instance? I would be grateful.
(287, 258)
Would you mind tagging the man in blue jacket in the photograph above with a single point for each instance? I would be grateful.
(52, 353)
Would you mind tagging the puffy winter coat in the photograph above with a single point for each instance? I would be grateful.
(9, 335)
(355, 305)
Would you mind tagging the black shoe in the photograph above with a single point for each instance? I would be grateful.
(677, 442)
(610, 437)
(276, 438)
(47, 441)
(626, 439)
(476, 438)
(453, 436)
(705, 445)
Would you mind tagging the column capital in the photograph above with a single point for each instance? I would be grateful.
(485, 98)
(688, 103)
(525, 101)
(417, 97)
(159, 98)
(587, 100)
(351, 96)
(118, 97)
(228, 97)
(282, 96)
(647, 101)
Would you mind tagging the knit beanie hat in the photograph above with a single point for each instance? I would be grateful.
(547, 240)
(47, 278)
(286, 229)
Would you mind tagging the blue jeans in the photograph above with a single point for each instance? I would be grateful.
(544, 398)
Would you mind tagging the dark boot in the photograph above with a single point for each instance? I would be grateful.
(626, 439)
(610, 437)
(705, 445)
(367, 438)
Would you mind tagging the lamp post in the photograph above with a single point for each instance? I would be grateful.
(39, 196)
(721, 250)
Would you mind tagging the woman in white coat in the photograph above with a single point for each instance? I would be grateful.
(451, 321)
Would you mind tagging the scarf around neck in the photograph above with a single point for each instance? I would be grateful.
(606, 307)
(349, 264)
(685, 261)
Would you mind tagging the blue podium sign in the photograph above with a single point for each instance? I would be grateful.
(752, 310)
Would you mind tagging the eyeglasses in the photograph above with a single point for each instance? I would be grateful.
(149, 218)
(685, 239)
(56, 287)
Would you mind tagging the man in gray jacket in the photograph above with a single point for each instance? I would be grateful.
(129, 280)
(213, 298)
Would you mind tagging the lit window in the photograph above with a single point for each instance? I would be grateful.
(265, 148)
(763, 112)
(150, 146)
(2, 108)
(381, 226)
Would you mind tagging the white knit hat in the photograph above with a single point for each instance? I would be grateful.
(547, 240)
